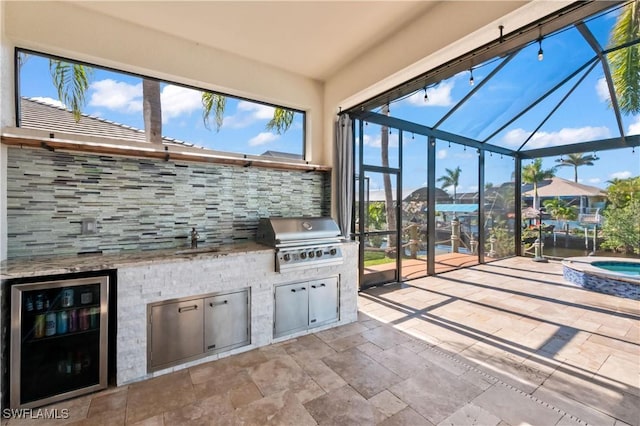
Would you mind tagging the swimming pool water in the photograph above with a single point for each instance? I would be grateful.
(627, 268)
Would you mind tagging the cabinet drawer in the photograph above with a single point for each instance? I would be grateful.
(226, 321)
(177, 331)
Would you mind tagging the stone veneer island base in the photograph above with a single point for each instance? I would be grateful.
(253, 268)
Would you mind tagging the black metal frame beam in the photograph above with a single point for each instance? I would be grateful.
(431, 205)
(419, 129)
(481, 207)
(599, 145)
(518, 211)
(588, 36)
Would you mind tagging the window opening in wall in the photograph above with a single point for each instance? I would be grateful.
(98, 101)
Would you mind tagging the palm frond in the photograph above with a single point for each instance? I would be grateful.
(71, 82)
(216, 104)
(625, 63)
(281, 121)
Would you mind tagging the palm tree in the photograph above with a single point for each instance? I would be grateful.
(386, 178)
(451, 178)
(625, 63)
(152, 110)
(575, 161)
(72, 80)
(533, 173)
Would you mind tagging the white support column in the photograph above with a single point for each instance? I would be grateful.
(7, 119)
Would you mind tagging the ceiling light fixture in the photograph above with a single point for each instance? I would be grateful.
(471, 81)
(540, 53)
(426, 98)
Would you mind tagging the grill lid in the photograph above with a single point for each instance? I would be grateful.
(283, 231)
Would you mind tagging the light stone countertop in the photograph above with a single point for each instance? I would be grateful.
(55, 265)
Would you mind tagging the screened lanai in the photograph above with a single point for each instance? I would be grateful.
(566, 84)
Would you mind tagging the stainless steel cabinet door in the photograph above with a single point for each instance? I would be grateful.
(226, 319)
(323, 301)
(291, 309)
(177, 331)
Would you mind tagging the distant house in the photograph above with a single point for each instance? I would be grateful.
(585, 197)
(280, 154)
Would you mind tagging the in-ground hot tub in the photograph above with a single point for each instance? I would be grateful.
(609, 275)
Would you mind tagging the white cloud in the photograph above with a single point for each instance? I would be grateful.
(246, 114)
(564, 136)
(438, 96)
(259, 111)
(634, 127)
(49, 101)
(621, 175)
(441, 154)
(602, 89)
(593, 181)
(178, 100)
(376, 142)
(263, 139)
(116, 95)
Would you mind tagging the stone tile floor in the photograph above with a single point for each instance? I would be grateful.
(505, 343)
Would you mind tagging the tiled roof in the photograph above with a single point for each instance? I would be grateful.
(42, 116)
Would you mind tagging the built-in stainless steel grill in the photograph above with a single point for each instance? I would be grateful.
(301, 242)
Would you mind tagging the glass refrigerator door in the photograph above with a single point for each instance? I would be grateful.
(59, 340)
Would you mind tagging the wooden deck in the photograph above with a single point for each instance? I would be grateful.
(415, 268)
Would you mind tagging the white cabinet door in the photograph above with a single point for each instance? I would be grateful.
(323, 301)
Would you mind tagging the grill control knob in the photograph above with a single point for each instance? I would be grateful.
(333, 252)
(312, 254)
(303, 255)
(287, 257)
(318, 253)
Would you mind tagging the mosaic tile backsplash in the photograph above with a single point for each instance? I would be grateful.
(145, 204)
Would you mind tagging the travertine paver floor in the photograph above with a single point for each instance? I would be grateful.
(505, 343)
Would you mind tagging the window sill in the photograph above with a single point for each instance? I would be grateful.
(106, 146)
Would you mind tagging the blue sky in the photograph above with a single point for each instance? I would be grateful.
(118, 97)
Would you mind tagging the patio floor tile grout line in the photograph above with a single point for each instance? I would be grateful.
(498, 381)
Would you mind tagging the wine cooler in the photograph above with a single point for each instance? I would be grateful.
(58, 340)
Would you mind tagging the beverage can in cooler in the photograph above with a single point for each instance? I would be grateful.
(67, 298)
(39, 302)
(84, 319)
(50, 324)
(73, 320)
(93, 317)
(38, 327)
(63, 322)
(86, 297)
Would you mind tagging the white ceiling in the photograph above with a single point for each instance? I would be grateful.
(311, 38)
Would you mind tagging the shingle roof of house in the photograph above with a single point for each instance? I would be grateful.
(39, 115)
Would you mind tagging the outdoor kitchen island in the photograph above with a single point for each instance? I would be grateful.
(147, 277)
